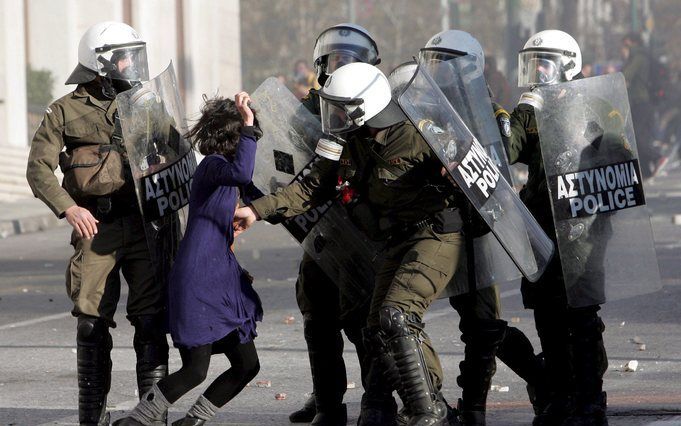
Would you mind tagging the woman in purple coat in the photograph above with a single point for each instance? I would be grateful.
(212, 305)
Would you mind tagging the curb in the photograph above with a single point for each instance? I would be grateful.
(30, 224)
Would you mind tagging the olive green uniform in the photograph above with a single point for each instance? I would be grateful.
(399, 179)
(85, 118)
(571, 338)
(92, 277)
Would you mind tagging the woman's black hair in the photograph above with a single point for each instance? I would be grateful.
(218, 129)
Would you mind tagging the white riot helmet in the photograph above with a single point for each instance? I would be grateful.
(401, 76)
(355, 95)
(113, 50)
(340, 45)
(549, 57)
(452, 44)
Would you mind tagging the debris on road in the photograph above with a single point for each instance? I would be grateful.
(631, 366)
(280, 396)
(263, 384)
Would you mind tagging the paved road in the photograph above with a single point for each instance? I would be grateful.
(37, 349)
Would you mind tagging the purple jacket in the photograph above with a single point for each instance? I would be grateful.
(209, 295)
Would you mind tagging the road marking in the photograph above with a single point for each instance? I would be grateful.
(41, 319)
(35, 321)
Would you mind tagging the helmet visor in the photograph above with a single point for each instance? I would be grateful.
(123, 62)
(338, 59)
(400, 77)
(439, 66)
(346, 40)
(539, 68)
(341, 116)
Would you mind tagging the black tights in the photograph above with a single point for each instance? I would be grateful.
(195, 361)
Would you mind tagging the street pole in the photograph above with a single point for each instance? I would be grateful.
(444, 12)
(351, 11)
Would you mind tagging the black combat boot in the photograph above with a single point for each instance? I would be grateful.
(94, 370)
(517, 353)
(189, 421)
(416, 388)
(306, 413)
(325, 349)
(332, 416)
(151, 348)
(378, 406)
(590, 363)
(482, 339)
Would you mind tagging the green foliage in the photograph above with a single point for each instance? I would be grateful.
(39, 85)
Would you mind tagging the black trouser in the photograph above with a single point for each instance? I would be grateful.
(195, 361)
(326, 312)
(571, 338)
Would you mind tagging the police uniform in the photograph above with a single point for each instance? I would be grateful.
(326, 311)
(571, 338)
(485, 334)
(398, 178)
(84, 118)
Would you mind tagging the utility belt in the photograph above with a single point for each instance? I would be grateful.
(108, 208)
(443, 222)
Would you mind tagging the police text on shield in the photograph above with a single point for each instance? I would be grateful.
(598, 190)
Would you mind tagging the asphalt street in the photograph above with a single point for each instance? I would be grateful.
(38, 354)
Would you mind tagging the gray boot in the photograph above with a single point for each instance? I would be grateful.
(151, 410)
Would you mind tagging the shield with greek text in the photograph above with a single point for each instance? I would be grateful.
(461, 80)
(473, 171)
(285, 155)
(161, 160)
(594, 179)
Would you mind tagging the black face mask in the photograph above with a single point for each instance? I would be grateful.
(112, 87)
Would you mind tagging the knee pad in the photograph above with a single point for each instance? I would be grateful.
(92, 331)
(394, 322)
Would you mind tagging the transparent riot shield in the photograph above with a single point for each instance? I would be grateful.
(475, 173)
(285, 154)
(603, 228)
(463, 83)
(161, 160)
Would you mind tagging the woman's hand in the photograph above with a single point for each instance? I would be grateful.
(242, 99)
(244, 217)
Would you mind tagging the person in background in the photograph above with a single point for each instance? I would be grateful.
(303, 79)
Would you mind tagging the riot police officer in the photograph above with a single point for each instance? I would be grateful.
(98, 200)
(571, 338)
(456, 60)
(390, 168)
(326, 309)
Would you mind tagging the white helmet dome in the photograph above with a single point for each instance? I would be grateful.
(354, 95)
(453, 55)
(343, 44)
(111, 49)
(549, 57)
(458, 42)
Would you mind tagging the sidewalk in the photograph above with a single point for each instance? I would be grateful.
(25, 216)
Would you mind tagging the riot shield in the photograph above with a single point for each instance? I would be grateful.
(285, 154)
(475, 173)
(161, 160)
(603, 228)
(463, 83)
